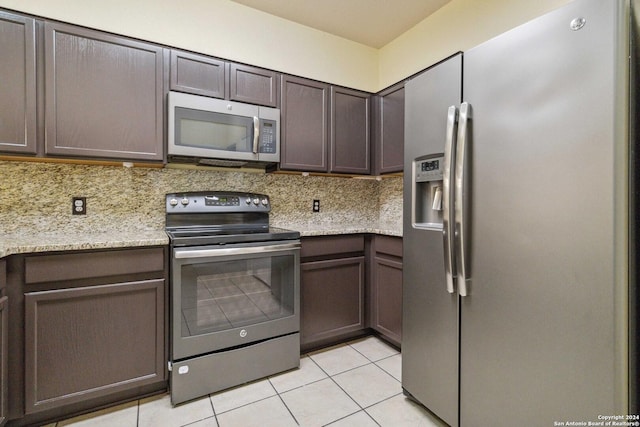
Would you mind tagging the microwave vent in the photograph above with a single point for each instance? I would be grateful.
(222, 163)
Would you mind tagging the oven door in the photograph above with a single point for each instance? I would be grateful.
(231, 295)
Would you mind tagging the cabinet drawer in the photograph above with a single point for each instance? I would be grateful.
(86, 265)
(389, 245)
(331, 245)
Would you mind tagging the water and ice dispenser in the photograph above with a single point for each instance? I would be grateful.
(427, 192)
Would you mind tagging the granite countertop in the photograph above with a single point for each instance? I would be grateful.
(314, 229)
(33, 242)
(26, 242)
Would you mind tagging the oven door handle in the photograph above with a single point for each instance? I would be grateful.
(207, 253)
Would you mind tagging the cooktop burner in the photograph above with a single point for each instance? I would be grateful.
(209, 218)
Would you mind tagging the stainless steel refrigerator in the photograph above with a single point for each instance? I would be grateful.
(519, 273)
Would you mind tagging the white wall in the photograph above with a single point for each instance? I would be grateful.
(225, 29)
(458, 26)
(232, 31)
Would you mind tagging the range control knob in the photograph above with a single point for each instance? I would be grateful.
(173, 202)
(265, 202)
(185, 202)
(248, 200)
(256, 201)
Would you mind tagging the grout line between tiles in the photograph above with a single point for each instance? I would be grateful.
(214, 411)
(282, 400)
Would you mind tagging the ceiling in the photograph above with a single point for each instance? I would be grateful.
(370, 22)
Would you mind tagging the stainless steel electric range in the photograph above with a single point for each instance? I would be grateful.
(235, 292)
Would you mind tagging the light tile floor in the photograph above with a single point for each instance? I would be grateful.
(350, 385)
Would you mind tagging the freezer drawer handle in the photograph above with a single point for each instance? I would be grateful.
(447, 197)
(462, 205)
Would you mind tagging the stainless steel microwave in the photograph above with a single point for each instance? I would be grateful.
(220, 132)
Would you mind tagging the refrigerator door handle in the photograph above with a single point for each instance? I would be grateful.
(447, 198)
(462, 198)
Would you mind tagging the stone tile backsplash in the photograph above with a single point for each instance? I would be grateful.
(37, 196)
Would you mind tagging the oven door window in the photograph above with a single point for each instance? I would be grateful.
(222, 295)
(204, 129)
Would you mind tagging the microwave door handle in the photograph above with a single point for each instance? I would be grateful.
(256, 134)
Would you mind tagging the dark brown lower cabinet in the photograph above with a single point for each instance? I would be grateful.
(386, 288)
(4, 353)
(92, 340)
(332, 283)
(87, 329)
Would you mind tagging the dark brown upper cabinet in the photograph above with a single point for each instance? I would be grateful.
(304, 121)
(216, 78)
(18, 126)
(253, 85)
(198, 74)
(103, 95)
(4, 345)
(349, 147)
(324, 128)
(388, 130)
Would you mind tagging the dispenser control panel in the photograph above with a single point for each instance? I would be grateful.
(429, 169)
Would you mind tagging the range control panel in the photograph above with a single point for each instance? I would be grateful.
(215, 201)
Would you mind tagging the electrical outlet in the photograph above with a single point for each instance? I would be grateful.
(78, 205)
(316, 205)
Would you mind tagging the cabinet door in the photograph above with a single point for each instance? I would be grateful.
(253, 85)
(104, 95)
(386, 313)
(332, 298)
(349, 146)
(18, 126)
(198, 74)
(4, 354)
(304, 121)
(91, 341)
(389, 130)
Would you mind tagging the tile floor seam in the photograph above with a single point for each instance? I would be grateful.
(388, 373)
(138, 413)
(346, 370)
(373, 404)
(383, 400)
(350, 344)
(198, 421)
(361, 353)
(282, 400)
(345, 392)
(241, 406)
(287, 406)
(385, 371)
(213, 410)
(347, 416)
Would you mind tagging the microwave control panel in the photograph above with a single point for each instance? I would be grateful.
(268, 136)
